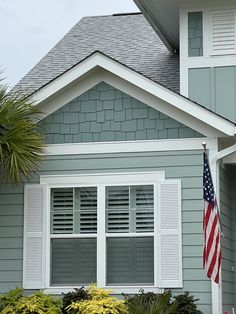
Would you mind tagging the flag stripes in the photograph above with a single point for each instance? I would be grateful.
(211, 226)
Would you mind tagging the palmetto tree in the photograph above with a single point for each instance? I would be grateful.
(21, 144)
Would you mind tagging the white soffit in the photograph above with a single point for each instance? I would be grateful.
(98, 67)
(163, 16)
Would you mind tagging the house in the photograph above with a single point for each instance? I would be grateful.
(127, 101)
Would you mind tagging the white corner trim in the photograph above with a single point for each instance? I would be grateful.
(176, 104)
(183, 46)
(128, 146)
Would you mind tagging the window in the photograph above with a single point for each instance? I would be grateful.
(73, 211)
(130, 259)
(120, 231)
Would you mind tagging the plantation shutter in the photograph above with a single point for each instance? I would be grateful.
(223, 32)
(86, 210)
(130, 261)
(117, 205)
(34, 263)
(144, 204)
(74, 210)
(130, 208)
(73, 261)
(62, 211)
(169, 234)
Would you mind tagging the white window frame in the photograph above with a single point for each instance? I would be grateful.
(101, 181)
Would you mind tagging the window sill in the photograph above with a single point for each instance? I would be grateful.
(115, 289)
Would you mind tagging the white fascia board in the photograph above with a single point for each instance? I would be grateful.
(54, 103)
(175, 100)
(129, 146)
(65, 79)
(170, 97)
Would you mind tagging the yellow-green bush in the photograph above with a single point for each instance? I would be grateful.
(15, 302)
(100, 302)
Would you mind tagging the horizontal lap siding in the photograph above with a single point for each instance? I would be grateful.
(11, 236)
(184, 165)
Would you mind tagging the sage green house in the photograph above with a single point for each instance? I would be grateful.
(127, 101)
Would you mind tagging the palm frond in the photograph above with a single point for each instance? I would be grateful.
(21, 144)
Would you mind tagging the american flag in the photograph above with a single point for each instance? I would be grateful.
(211, 225)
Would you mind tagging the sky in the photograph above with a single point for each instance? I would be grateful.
(30, 28)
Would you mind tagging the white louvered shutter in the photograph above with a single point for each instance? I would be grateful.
(34, 246)
(169, 234)
(223, 32)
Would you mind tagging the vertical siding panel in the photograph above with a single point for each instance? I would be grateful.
(227, 239)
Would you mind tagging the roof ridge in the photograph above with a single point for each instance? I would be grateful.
(127, 13)
(113, 14)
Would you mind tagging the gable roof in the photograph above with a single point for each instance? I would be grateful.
(99, 67)
(127, 38)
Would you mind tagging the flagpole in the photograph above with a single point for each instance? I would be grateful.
(216, 289)
(217, 207)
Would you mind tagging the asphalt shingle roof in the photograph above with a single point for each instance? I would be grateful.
(126, 38)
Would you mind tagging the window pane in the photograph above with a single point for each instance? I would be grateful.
(130, 208)
(62, 210)
(144, 205)
(74, 210)
(85, 210)
(73, 261)
(130, 261)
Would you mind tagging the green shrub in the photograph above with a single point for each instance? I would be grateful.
(153, 303)
(185, 304)
(38, 303)
(10, 299)
(73, 296)
(99, 302)
(149, 303)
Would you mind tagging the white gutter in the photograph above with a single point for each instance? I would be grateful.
(221, 154)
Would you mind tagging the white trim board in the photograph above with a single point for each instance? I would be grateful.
(129, 146)
(55, 94)
(115, 289)
(129, 178)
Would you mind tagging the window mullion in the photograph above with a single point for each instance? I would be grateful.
(76, 210)
(132, 210)
(101, 237)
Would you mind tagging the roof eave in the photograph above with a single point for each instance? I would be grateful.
(149, 12)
